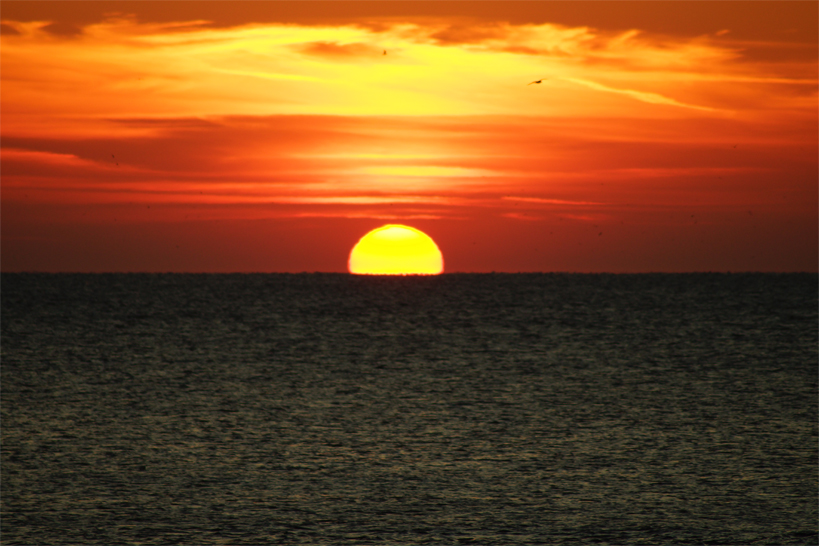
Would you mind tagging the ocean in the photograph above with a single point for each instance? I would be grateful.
(454, 409)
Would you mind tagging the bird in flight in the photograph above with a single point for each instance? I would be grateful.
(537, 81)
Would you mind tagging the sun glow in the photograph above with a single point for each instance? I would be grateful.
(396, 250)
(423, 170)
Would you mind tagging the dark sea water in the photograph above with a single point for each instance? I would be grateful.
(457, 409)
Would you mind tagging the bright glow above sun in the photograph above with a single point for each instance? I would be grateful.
(396, 250)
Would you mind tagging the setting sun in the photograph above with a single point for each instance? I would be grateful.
(396, 250)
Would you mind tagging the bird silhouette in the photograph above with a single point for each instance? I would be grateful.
(537, 81)
(385, 52)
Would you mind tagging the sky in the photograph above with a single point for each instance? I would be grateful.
(271, 136)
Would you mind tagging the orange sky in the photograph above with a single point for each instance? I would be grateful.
(271, 136)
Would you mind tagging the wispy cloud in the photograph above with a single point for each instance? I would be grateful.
(543, 201)
(426, 171)
(146, 122)
(650, 98)
(132, 69)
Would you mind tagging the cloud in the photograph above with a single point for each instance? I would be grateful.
(180, 116)
(426, 171)
(290, 116)
(651, 98)
(63, 30)
(364, 199)
(130, 69)
(8, 30)
(307, 159)
(545, 201)
(336, 51)
(469, 32)
(791, 21)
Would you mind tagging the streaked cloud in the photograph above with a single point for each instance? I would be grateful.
(124, 68)
(544, 201)
(426, 171)
(650, 98)
(166, 122)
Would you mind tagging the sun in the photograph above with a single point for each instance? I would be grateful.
(396, 250)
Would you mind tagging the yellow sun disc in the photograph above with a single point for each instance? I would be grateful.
(396, 250)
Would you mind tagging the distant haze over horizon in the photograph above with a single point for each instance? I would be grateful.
(612, 137)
